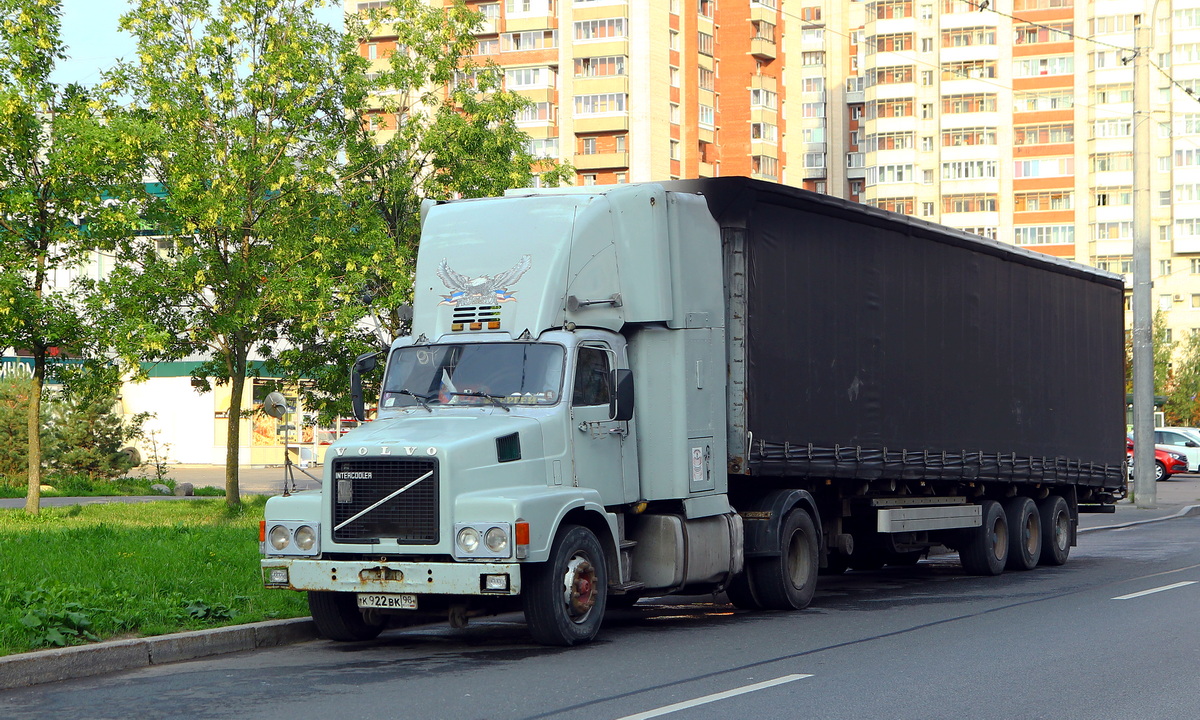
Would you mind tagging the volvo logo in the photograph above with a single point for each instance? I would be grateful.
(387, 450)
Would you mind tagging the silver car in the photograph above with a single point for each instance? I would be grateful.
(1182, 440)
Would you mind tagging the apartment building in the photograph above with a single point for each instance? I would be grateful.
(1012, 120)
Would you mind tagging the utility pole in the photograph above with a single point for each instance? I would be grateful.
(1145, 492)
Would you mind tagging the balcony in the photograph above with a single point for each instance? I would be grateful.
(600, 123)
(762, 48)
(601, 161)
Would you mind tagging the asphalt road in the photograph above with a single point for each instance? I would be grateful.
(921, 642)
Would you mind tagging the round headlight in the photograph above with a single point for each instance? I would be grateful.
(306, 538)
(468, 539)
(279, 537)
(496, 540)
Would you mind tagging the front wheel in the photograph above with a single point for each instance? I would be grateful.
(337, 617)
(1160, 471)
(565, 596)
(788, 581)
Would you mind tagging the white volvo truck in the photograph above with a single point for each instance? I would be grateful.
(819, 386)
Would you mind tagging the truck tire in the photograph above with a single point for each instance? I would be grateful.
(788, 581)
(1024, 533)
(741, 591)
(1056, 530)
(985, 551)
(565, 596)
(337, 617)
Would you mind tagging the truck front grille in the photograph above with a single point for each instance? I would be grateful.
(410, 517)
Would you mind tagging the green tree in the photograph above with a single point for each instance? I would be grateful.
(59, 169)
(248, 98)
(85, 436)
(1183, 406)
(434, 125)
(1163, 350)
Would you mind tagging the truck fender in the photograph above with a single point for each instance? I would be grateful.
(763, 517)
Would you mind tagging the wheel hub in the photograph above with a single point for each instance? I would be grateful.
(580, 588)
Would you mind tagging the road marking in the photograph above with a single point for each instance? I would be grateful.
(666, 709)
(1151, 591)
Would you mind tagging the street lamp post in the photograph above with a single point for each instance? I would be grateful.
(1145, 492)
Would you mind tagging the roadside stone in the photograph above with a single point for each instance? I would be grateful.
(47, 488)
(184, 489)
(160, 489)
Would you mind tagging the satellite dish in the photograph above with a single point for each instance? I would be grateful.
(275, 405)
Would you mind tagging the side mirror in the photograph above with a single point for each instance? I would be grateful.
(362, 364)
(621, 406)
(1191, 443)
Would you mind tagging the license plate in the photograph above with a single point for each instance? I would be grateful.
(384, 600)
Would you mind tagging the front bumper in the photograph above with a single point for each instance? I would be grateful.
(417, 578)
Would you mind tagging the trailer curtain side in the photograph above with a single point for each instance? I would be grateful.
(881, 346)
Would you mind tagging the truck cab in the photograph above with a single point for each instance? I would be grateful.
(502, 470)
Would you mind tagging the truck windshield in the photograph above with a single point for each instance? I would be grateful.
(474, 374)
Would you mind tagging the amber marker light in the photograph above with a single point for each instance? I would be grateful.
(262, 531)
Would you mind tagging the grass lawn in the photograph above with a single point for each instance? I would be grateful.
(77, 574)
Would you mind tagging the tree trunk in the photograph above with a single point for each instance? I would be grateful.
(237, 382)
(33, 497)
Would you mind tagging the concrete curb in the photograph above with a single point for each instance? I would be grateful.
(45, 666)
(1189, 511)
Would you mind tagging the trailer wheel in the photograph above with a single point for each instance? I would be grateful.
(1056, 530)
(337, 617)
(985, 551)
(565, 596)
(1024, 533)
(788, 581)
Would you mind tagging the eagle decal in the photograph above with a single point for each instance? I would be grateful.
(482, 290)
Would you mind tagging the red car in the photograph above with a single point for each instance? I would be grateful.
(1167, 462)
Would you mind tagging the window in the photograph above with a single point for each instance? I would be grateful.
(893, 107)
(707, 117)
(969, 136)
(889, 141)
(487, 46)
(764, 132)
(895, 42)
(600, 66)
(674, 76)
(589, 178)
(902, 205)
(1039, 101)
(887, 174)
(964, 37)
(927, 45)
(890, 75)
(528, 77)
(587, 146)
(704, 43)
(591, 378)
(622, 178)
(926, 77)
(536, 113)
(1112, 162)
(707, 78)
(926, 143)
(1035, 67)
(969, 69)
(674, 149)
(764, 98)
(705, 8)
(543, 147)
(1044, 201)
(673, 40)
(969, 170)
(814, 160)
(603, 104)
(1043, 134)
(890, 9)
(926, 111)
(1112, 196)
(1044, 167)
(1043, 234)
(372, 51)
(926, 209)
(811, 59)
(1112, 230)
(1043, 33)
(766, 166)
(976, 102)
(620, 143)
(535, 40)
(605, 29)
(1164, 268)
(674, 113)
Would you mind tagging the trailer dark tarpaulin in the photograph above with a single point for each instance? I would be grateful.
(881, 346)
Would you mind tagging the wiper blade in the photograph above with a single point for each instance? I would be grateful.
(495, 399)
(422, 399)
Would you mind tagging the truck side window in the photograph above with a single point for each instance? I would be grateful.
(591, 377)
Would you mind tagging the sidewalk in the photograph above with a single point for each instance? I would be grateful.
(1177, 497)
